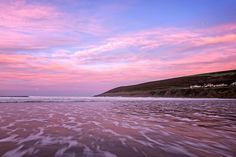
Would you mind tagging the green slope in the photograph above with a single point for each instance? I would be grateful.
(180, 87)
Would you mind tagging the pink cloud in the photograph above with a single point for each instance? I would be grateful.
(153, 39)
(19, 14)
(176, 40)
(33, 26)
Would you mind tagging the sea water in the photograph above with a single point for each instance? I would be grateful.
(117, 127)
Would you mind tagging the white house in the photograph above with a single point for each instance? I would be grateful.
(208, 85)
(233, 84)
(195, 86)
(221, 85)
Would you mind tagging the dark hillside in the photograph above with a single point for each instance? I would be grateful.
(217, 84)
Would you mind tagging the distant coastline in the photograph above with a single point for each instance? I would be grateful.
(15, 96)
(208, 85)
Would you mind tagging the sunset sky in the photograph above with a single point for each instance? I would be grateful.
(85, 47)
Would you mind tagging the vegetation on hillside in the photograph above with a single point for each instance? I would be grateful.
(217, 84)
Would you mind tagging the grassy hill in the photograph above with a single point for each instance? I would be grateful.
(217, 84)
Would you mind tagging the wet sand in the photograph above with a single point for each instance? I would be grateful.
(204, 128)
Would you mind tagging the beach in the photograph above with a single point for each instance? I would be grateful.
(117, 127)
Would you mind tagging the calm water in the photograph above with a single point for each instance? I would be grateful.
(117, 127)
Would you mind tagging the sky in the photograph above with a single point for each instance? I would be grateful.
(85, 47)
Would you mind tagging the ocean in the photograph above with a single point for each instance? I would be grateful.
(117, 127)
